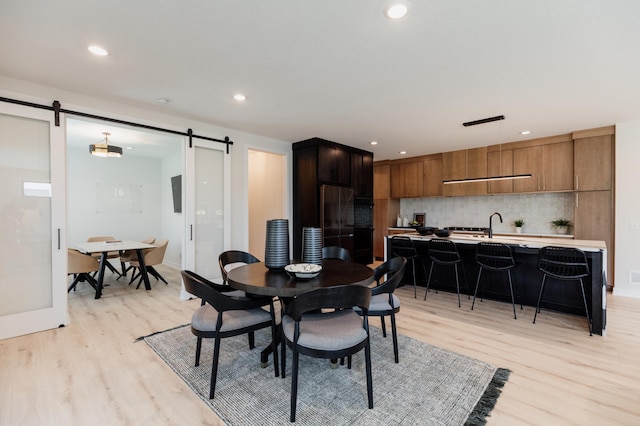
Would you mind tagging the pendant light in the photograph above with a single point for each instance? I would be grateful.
(103, 149)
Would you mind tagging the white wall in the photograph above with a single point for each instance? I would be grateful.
(172, 223)
(627, 220)
(126, 218)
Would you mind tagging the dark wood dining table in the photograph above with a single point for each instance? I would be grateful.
(256, 278)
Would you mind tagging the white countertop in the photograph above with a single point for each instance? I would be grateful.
(521, 240)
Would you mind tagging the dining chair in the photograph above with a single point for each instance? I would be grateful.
(231, 259)
(128, 255)
(154, 256)
(110, 255)
(321, 323)
(81, 265)
(563, 264)
(337, 253)
(221, 315)
(383, 302)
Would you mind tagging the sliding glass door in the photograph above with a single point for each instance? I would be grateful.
(33, 258)
(207, 207)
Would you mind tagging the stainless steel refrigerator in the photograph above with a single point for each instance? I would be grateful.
(337, 216)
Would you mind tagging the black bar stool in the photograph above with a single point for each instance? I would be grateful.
(495, 257)
(563, 263)
(445, 253)
(402, 246)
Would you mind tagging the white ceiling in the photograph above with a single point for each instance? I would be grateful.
(341, 70)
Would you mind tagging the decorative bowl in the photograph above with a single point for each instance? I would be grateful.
(303, 271)
(443, 233)
(422, 230)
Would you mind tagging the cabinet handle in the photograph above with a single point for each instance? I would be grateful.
(577, 200)
(577, 183)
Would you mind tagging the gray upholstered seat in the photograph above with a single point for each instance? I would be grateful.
(204, 319)
(332, 331)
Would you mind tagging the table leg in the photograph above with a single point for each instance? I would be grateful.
(103, 264)
(143, 269)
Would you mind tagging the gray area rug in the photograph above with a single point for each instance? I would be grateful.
(430, 386)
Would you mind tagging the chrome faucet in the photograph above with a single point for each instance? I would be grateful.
(490, 224)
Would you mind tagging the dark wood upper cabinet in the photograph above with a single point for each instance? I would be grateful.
(362, 174)
(334, 165)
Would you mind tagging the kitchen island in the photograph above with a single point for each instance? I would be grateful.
(562, 296)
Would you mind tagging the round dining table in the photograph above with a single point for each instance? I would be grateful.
(256, 278)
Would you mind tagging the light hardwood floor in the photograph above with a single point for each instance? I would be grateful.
(93, 373)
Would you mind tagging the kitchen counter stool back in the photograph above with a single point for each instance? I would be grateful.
(565, 264)
(495, 257)
(402, 246)
(443, 252)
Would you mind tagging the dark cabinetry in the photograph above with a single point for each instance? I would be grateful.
(318, 162)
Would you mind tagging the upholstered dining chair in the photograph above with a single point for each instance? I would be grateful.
(231, 259)
(383, 302)
(335, 252)
(81, 265)
(128, 255)
(154, 256)
(110, 255)
(220, 316)
(321, 323)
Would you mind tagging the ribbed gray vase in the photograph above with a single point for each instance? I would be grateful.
(276, 252)
(312, 245)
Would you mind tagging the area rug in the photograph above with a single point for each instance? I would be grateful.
(430, 385)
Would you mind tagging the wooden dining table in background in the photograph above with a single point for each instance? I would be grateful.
(104, 247)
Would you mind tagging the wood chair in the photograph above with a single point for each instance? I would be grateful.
(383, 302)
(335, 252)
(220, 316)
(129, 255)
(81, 265)
(321, 323)
(154, 256)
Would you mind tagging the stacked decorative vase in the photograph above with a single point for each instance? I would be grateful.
(276, 253)
(312, 245)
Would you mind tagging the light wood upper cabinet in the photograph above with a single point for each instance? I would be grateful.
(432, 185)
(500, 163)
(557, 166)
(381, 181)
(592, 163)
(407, 180)
(550, 165)
(593, 220)
(465, 164)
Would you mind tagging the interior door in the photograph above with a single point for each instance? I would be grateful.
(33, 258)
(207, 208)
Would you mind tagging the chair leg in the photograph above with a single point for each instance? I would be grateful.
(152, 271)
(457, 283)
(513, 302)
(252, 340)
(198, 349)
(384, 327)
(294, 384)
(367, 357)
(476, 291)
(428, 281)
(539, 298)
(394, 334)
(586, 309)
(413, 269)
(214, 367)
(283, 357)
(274, 344)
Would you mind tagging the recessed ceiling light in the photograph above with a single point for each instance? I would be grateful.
(403, 152)
(239, 97)
(162, 101)
(97, 50)
(525, 132)
(373, 143)
(129, 147)
(396, 11)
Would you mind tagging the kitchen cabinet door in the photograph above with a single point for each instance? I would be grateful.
(500, 163)
(557, 166)
(381, 182)
(334, 165)
(465, 164)
(527, 160)
(361, 174)
(384, 217)
(406, 180)
(432, 185)
(592, 163)
(593, 220)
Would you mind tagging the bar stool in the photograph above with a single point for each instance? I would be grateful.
(444, 253)
(495, 257)
(402, 246)
(563, 263)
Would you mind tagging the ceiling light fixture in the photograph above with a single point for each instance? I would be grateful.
(486, 179)
(97, 50)
(396, 11)
(239, 97)
(403, 152)
(525, 132)
(483, 120)
(103, 149)
(373, 143)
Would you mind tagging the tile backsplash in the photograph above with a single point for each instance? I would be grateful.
(537, 210)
